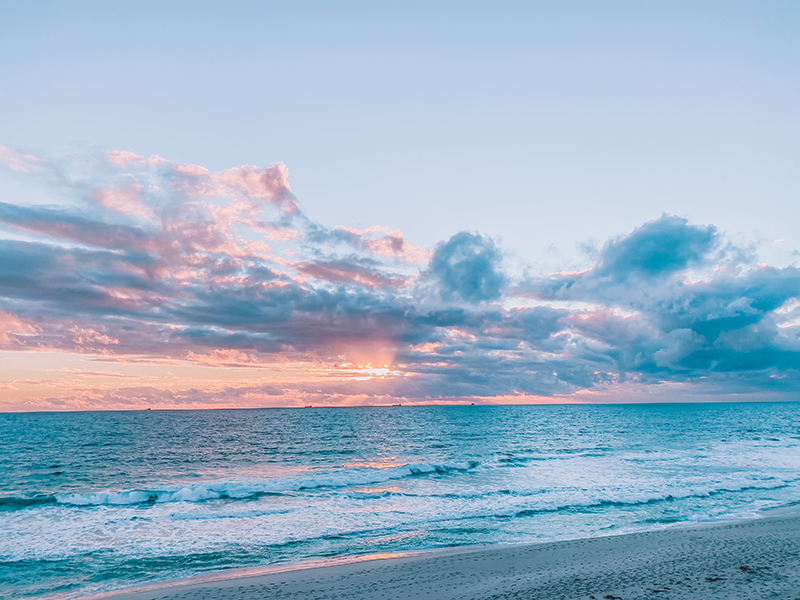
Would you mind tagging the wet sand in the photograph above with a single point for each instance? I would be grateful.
(751, 560)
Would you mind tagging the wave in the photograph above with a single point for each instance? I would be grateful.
(602, 504)
(16, 502)
(251, 489)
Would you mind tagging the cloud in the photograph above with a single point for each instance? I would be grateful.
(89, 337)
(344, 271)
(61, 224)
(657, 248)
(468, 267)
(12, 328)
(388, 243)
(123, 158)
(17, 161)
(694, 314)
(150, 265)
(270, 183)
(124, 200)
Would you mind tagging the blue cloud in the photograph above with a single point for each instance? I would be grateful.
(66, 225)
(656, 248)
(468, 267)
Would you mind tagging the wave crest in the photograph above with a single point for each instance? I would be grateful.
(250, 489)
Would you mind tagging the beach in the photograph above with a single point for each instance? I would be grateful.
(754, 559)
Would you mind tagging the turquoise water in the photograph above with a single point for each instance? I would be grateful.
(97, 501)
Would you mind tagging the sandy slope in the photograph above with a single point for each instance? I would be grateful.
(753, 560)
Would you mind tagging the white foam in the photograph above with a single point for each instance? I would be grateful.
(249, 488)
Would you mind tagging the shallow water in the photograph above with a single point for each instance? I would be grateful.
(97, 501)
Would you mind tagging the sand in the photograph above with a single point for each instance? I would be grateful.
(750, 560)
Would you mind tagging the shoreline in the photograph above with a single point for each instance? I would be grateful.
(737, 559)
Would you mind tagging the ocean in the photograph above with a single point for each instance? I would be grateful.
(96, 501)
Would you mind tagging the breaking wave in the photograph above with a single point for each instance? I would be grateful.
(249, 489)
(603, 504)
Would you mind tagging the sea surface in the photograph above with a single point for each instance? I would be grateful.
(101, 500)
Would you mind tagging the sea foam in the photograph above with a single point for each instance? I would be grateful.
(253, 488)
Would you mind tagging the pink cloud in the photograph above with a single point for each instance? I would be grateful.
(338, 273)
(86, 336)
(22, 163)
(11, 324)
(210, 228)
(89, 337)
(361, 232)
(275, 234)
(270, 183)
(192, 170)
(123, 158)
(391, 244)
(266, 184)
(124, 200)
(224, 357)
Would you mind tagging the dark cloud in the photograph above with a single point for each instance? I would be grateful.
(65, 225)
(76, 280)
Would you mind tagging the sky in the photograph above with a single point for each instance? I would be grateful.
(291, 204)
